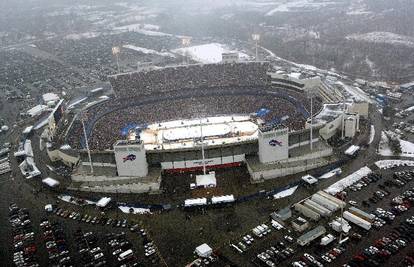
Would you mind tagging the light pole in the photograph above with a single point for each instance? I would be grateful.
(115, 51)
(256, 38)
(185, 41)
(87, 143)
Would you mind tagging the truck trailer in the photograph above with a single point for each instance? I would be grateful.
(332, 206)
(341, 203)
(368, 217)
(307, 212)
(357, 220)
(324, 212)
(308, 237)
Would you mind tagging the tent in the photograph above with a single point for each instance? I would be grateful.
(203, 250)
(103, 202)
(206, 180)
(50, 182)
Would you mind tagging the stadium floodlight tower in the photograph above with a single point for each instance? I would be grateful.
(256, 38)
(86, 142)
(185, 41)
(115, 51)
(311, 95)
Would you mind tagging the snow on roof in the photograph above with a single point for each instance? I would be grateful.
(285, 193)
(50, 97)
(407, 85)
(309, 179)
(103, 202)
(206, 180)
(347, 181)
(50, 182)
(351, 150)
(203, 250)
(391, 163)
(195, 202)
(222, 199)
(36, 110)
(27, 130)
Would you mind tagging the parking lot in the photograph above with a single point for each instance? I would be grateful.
(377, 194)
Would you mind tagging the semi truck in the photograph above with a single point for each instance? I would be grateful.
(307, 212)
(357, 220)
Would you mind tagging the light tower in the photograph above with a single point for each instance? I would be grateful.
(185, 42)
(256, 38)
(115, 51)
(86, 142)
(311, 95)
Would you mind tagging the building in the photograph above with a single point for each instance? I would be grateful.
(232, 57)
(300, 224)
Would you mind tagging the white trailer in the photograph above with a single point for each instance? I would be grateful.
(357, 212)
(324, 212)
(357, 220)
(307, 212)
(332, 206)
(308, 237)
(341, 203)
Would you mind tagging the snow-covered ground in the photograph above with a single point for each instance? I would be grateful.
(371, 134)
(330, 174)
(383, 37)
(298, 5)
(85, 35)
(148, 51)
(146, 29)
(407, 148)
(208, 53)
(285, 193)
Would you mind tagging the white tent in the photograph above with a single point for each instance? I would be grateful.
(206, 180)
(103, 202)
(203, 250)
(36, 110)
(49, 208)
(50, 182)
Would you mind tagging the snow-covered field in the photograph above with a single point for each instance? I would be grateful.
(208, 53)
(148, 51)
(383, 37)
(298, 5)
(407, 148)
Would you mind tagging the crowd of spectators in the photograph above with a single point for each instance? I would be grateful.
(186, 104)
(190, 76)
